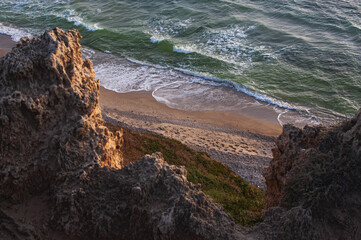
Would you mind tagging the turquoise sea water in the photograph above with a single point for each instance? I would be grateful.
(295, 54)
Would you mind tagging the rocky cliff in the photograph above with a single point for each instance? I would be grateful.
(62, 173)
(50, 118)
(314, 182)
(61, 169)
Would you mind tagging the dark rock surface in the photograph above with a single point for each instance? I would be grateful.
(315, 180)
(148, 199)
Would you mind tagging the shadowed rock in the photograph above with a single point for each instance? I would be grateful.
(315, 180)
(148, 199)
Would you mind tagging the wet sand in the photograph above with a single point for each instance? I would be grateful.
(6, 44)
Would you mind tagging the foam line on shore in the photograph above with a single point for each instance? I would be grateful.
(15, 33)
(224, 82)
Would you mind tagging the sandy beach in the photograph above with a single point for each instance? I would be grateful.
(242, 143)
(6, 44)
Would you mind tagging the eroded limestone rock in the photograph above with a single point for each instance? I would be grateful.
(50, 118)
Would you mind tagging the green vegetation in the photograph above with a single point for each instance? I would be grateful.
(243, 201)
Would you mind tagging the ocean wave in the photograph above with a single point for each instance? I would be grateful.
(226, 45)
(181, 50)
(15, 33)
(156, 39)
(231, 45)
(74, 17)
(167, 28)
(122, 78)
(177, 49)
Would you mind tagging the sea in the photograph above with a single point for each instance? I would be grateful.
(294, 61)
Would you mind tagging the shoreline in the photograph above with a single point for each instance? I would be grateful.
(142, 103)
(241, 142)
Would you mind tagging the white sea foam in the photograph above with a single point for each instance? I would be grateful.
(208, 80)
(15, 33)
(264, 98)
(72, 16)
(166, 28)
(88, 50)
(230, 45)
(181, 50)
(123, 78)
(156, 39)
(280, 115)
(79, 21)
